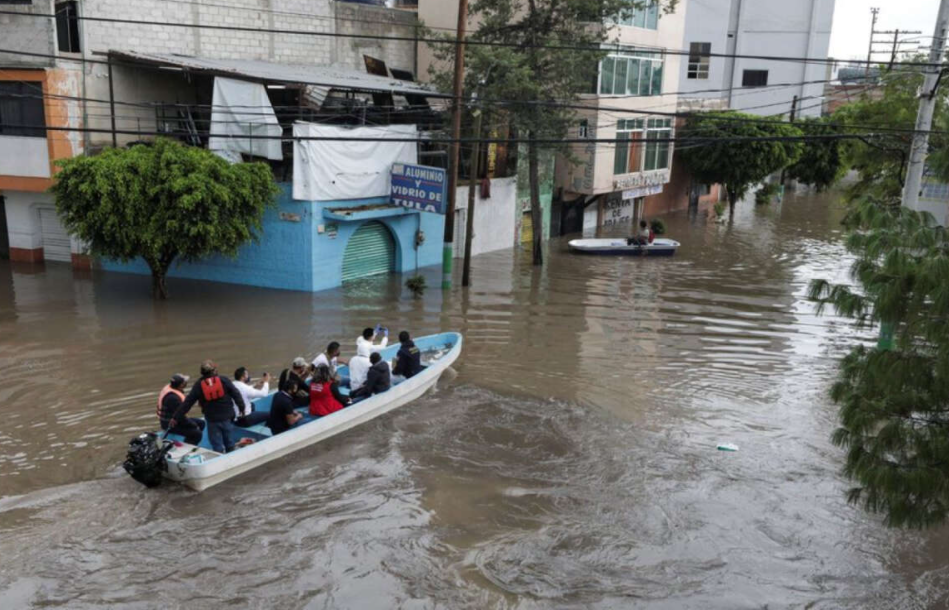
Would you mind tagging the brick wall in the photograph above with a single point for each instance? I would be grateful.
(29, 34)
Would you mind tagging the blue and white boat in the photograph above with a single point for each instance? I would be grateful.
(619, 246)
(199, 467)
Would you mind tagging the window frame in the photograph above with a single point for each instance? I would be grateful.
(648, 74)
(67, 26)
(699, 63)
(648, 155)
(646, 17)
(29, 117)
(747, 76)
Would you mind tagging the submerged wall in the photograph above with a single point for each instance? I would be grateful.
(300, 249)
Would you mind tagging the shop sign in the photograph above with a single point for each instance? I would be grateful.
(644, 191)
(640, 180)
(419, 187)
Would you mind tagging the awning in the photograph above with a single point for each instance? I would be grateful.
(273, 73)
(366, 212)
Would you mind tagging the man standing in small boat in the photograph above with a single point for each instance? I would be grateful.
(217, 397)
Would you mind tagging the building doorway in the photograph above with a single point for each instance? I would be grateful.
(370, 251)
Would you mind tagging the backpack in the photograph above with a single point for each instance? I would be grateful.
(145, 460)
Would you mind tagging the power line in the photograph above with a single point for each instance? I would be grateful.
(468, 41)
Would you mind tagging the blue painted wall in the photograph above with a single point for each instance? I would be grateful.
(294, 255)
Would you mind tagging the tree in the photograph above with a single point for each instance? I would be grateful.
(543, 56)
(163, 202)
(894, 402)
(823, 162)
(735, 163)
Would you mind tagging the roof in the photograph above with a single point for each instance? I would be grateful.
(286, 74)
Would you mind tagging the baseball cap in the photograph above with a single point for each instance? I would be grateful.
(179, 378)
(208, 367)
(299, 362)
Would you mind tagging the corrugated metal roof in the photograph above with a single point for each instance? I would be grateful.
(268, 72)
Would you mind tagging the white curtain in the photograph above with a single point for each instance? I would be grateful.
(242, 109)
(330, 170)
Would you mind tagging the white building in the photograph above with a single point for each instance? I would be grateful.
(796, 28)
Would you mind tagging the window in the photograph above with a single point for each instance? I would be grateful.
(583, 131)
(699, 60)
(67, 27)
(632, 73)
(754, 78)
(21, 109)
(639, 148)
(640, 14)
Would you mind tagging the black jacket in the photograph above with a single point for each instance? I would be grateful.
(220, 409)
(408, 360)
(302, 397)
(378, 379)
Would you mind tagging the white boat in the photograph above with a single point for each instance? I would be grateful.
(199, 467)
(620, 246)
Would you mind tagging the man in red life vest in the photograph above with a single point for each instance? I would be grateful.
(217, 397)
(169, 399)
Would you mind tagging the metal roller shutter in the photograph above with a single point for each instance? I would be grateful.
(370, 251)
(55, 237)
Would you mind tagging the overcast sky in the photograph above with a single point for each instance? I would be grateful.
(851, 31)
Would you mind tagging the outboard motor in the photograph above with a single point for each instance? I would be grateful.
(145, 460)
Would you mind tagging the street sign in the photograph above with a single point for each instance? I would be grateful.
(419, 187)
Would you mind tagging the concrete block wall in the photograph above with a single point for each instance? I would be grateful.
(28, 34)
(352, 18)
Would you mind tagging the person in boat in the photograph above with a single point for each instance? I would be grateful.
(217, 397)
(325, 397)
(408, 362)
(378, 379)
(359, 364)
(297, 372)
(249, 416)
(169, 400)
(644, 237)
(330, 358)
(282, 415)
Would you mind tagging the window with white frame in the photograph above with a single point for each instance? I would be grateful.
(699, 59)
(640, 14)
(631, 73)
(642, 145)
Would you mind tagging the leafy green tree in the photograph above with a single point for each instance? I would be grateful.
(163, 202)
(715, 152)
(894, 402)
(823, 162)
(540, 67)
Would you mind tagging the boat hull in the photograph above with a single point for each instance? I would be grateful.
(619, 247)
(219, 468)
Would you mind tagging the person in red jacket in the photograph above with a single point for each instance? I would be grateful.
(325, 397)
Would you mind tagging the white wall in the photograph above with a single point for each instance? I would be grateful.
(494, 220)
(23, 222)
(800, 28)
(23, 156)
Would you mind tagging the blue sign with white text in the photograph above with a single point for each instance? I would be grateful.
(419, 187)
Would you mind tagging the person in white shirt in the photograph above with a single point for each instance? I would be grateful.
(249, 392)
(359, 364)
(330, 358)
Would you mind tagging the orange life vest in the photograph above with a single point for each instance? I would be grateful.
(164, 392)
(212, 388)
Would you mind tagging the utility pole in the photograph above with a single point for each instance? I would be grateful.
(873, 27)
(457, 93)
(791, 120)
(896, 44)
(924, 118)
(472, 185)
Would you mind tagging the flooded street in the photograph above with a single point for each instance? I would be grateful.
(570, 463)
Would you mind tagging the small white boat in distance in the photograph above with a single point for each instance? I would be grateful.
(200, 467)
(620, 246)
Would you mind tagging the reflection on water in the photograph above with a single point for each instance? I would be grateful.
(570, 463)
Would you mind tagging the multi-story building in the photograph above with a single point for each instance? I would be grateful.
(632, 99)
(764, 28)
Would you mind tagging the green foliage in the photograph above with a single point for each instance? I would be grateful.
(737, 164)
(823, 162)
(658, 226)
(881, 158)
(416, 284)
(894, 403)
(719, 209)
(537, 80)
(162, 202)
(766, 193)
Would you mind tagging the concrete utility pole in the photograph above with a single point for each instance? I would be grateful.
(472, 185)
(873, 27)
(457, 92)
(924, 118)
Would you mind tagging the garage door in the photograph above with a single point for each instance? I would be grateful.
(55, 237)
(370, 251)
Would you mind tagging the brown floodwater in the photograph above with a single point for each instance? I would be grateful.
(569, 460)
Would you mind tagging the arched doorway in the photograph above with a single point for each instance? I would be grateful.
(370, 251)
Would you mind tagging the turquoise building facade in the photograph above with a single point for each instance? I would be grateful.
(316, 245)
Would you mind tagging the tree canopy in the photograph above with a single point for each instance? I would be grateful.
(718, 155)
(894, 403)
(162, 202)
(823, 162)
